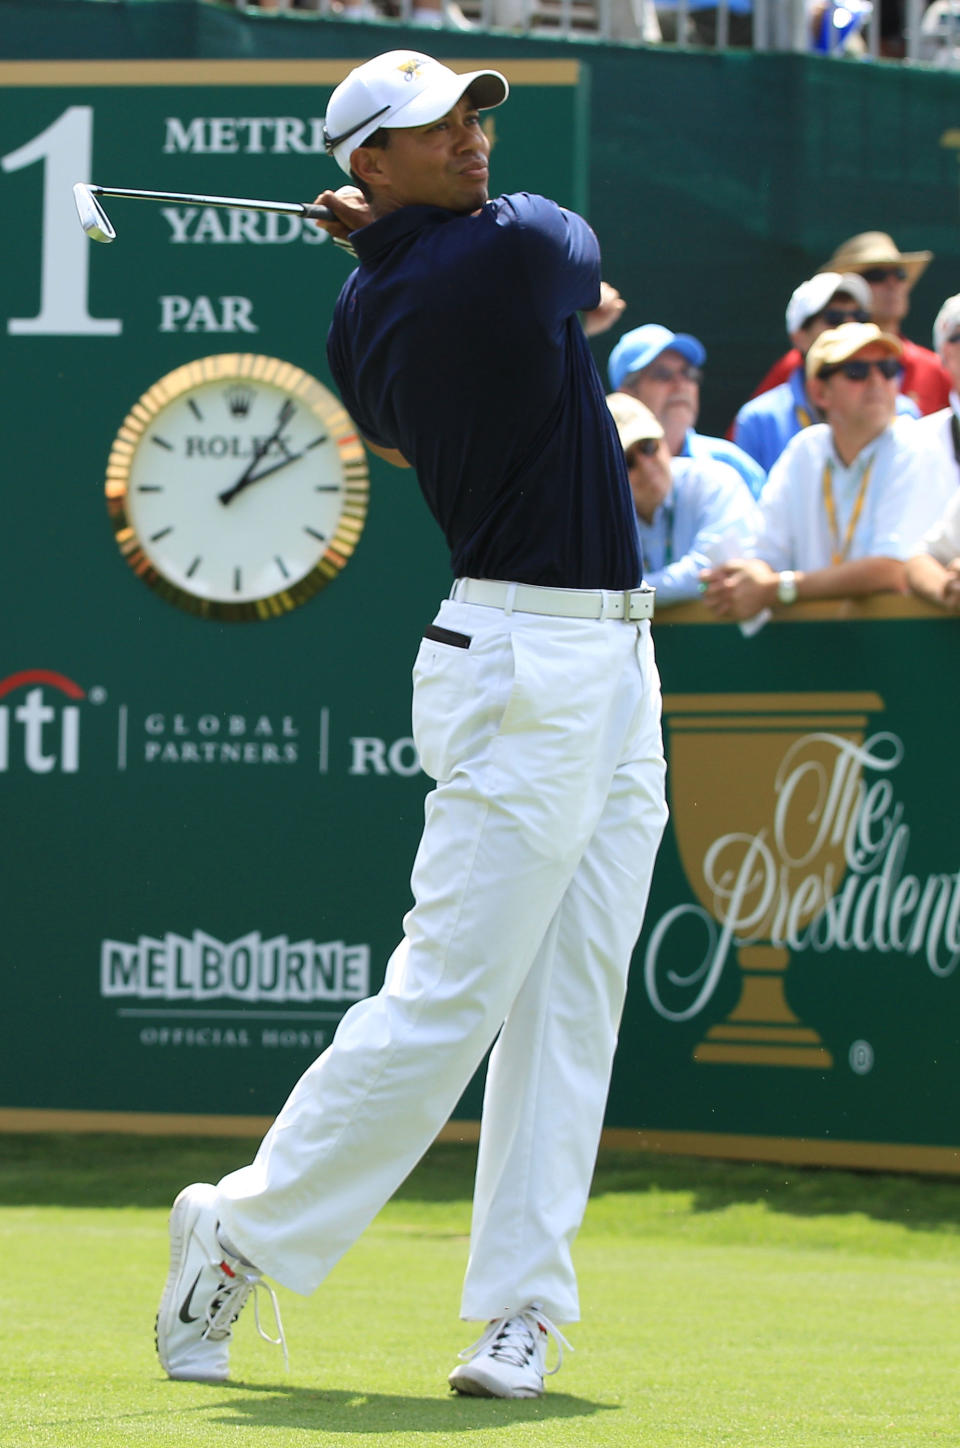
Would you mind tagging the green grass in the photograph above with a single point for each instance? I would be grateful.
(722, 1305)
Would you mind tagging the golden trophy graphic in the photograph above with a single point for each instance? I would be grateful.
(763, 788)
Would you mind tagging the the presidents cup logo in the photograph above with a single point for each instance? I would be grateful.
(792, 839)
(411, 68)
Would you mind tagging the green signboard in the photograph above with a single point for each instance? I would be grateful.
(211, 797)
(795, 991)
(210, 793)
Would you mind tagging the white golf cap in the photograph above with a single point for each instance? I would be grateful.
(400, 88)
(812, 296)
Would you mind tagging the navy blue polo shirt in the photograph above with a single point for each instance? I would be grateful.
(457, 341)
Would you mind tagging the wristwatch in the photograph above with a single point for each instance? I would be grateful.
(787, 587)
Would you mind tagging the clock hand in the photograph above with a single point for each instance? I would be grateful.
(247, 477)
(273, 468)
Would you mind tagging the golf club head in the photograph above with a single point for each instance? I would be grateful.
(93, 218)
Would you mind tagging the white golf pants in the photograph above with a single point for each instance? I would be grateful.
(529, 889)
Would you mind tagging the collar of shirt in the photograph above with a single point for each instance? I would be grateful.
(846, 480)
(798, 387)
(386, 231)
(955, 403)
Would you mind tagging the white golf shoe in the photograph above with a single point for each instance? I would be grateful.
(205, 1291)
(508, 1361)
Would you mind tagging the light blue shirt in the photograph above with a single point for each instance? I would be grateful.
(765, 424)
(706, 518)
(698, 445)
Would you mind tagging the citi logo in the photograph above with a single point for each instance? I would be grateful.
(46, 735)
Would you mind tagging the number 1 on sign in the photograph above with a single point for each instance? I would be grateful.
(66, 148)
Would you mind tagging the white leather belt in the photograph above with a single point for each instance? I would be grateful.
(632, 604)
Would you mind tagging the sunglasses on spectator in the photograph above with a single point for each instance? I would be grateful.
(660, 372)
(878, 274)
(647, 445)
(859, 371)
(836, 316)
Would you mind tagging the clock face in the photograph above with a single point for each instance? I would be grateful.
(237, 486)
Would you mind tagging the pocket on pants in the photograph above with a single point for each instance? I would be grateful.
(451, 705)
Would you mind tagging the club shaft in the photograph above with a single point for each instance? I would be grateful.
(283, 208)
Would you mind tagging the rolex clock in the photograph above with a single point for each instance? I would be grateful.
(237, 487)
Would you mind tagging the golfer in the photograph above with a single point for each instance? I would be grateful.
(459, 352)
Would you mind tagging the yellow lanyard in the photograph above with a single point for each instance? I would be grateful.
(839, 554)
(803, 416)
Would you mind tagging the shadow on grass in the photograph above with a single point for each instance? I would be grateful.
(342, 1410)
(925, 1203)
(142, 1171)
(339, 1410)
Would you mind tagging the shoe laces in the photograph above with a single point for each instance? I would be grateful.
(517, 1340)
(225, 1305)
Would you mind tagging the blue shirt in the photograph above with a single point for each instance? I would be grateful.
(765, 424)
(698, 445)
(736, 7)
(457, 342)
(708, 517)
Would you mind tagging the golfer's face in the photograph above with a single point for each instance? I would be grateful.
(441, 164)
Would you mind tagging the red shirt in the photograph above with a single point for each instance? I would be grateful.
(924, 378)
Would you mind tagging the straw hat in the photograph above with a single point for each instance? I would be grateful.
(875, 248)
(635, 422)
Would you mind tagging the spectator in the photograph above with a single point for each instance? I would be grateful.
(944, 426)
(847, 499)
(663, 370)
(629, 19)
(891, 275)
(689, 510)
(439, 15)
(765, 424)
(934, 572)
(701, 26)
(433, 14)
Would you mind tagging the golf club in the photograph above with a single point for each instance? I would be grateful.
(98, 227)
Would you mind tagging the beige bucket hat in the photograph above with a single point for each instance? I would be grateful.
(870, 249)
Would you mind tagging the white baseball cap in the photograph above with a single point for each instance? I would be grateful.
(812, 296)
(948, 322)
(397, 89)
